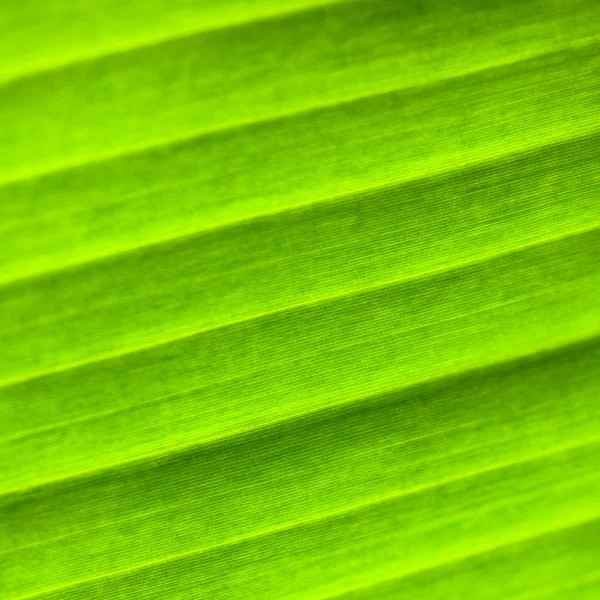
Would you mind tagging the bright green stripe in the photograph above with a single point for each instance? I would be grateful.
(421, 440)
(232, 378)
(268, 69)
(270, 166)
(458, 421)
(287, 260)
(410, 206)
(86, 29)
(521, 571)
(321, 555)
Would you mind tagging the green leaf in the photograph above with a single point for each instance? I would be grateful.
(299, 299)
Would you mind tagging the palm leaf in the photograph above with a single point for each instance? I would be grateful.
(299, 299)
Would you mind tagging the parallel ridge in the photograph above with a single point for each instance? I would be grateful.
(267, 69)
(234, 377)
(297, 257)
(485, 438)
(300, 300)
(87, 30)
(566, 557)
(212, 178)
(325, 552)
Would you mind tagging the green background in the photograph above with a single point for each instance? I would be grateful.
(300, 299)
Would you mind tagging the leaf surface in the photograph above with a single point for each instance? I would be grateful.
(299, 299)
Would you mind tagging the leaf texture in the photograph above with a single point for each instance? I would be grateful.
(300, 299)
